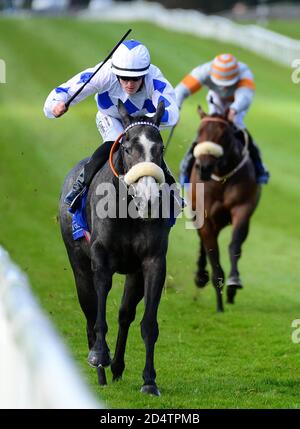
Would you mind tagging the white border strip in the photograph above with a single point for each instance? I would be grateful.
(36, 371)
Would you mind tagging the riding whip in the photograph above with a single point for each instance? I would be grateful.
(96, 71)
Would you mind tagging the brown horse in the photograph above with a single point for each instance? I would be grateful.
(231, 195)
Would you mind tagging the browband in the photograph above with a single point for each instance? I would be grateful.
(134, 124)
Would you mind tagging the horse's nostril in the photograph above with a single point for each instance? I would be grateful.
(205, 172)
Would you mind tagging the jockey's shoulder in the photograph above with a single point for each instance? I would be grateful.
(243, 66)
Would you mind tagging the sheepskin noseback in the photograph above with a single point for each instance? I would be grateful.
(146, 197)
(208, 148)
(144, 169)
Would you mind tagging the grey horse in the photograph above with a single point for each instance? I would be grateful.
(132, 245)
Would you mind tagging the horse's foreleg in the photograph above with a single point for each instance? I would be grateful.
(81, 266)
(202, 276)
(99, 353)
(240, 221)
(210, 242)
(154, 270)
(133, 293)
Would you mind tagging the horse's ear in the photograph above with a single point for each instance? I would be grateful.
(125, 117)
(159, 113)
(201, 112)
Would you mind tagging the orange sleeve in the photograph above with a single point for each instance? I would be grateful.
(246, 83)
(191, 83)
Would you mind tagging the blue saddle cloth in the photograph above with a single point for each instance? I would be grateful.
(79, 222)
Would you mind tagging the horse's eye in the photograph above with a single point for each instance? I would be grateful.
(127, 149)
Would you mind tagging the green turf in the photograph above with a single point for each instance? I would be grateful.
(242, 358)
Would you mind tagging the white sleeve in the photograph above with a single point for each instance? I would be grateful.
(162, 90)
(245, 91)
(242, 99)
(192, 82)
(65, 91)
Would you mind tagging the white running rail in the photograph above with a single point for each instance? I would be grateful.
(35, 369)
(269, 44)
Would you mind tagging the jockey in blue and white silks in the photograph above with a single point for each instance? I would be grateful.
(128, 76)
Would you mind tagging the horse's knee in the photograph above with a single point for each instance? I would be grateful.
(218, 280)
(149, 330)
(126, 317)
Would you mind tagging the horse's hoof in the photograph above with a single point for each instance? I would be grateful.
(220, 310)
(117, 369)
(101, 376)
(96, 359)
(201, 278)
(151, 389)
(234, 282)
(117, 377)
(231, 292)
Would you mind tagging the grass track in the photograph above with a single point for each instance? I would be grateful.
(242, 358)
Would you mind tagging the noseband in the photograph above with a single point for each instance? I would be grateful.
(119, 139)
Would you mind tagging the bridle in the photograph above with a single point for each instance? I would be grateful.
(118, 142)
(245, 151)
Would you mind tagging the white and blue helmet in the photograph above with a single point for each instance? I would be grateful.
(131, 59)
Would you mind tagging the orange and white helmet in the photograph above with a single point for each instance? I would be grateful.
(131, 59)
(224, 70)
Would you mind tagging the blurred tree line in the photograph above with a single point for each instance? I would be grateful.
(211, 6)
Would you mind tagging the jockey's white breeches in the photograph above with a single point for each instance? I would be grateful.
(109, 128)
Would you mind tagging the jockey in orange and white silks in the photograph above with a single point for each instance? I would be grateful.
(231, 89)
(231, 86)
(128, 76)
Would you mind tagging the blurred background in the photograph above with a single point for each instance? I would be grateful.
(240, 10)
(243, 358)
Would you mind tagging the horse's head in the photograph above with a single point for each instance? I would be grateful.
(214, 140)
(142, 152)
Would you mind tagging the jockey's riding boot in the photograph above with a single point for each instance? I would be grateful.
(179, 202)
(78, 189)
(186, 166)
(262, 174)
(92, 166)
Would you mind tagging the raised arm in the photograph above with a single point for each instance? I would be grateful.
(55, 102)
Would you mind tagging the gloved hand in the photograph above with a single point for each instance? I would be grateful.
(59, 109)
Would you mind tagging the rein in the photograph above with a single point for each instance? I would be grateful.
(245, 151)
(119, 138)
(112, 151)
(245, 154)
